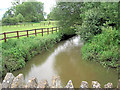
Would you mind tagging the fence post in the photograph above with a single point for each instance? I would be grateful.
(27, 33)
(52, 30)
(18, 34)
(47, 30)
(35, 32)
(42, 31)
(5, 37)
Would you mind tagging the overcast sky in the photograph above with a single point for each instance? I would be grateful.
(5, 4)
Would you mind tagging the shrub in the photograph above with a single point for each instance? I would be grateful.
(16, 52)
(10, 20)
(92, 22)
(20, 17)
(103, 48)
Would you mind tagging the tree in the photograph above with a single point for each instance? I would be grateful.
(51, 15)
(9, 13)
(31, 11)
(20, 17)
(10, 20)
(68, 15)
(94, 15)
(27, 11)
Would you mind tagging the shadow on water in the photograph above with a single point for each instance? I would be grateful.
(65, 60)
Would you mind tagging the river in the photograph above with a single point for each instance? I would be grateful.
(65, 60)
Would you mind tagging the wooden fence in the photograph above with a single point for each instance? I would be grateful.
(36, 31)
(41, 24)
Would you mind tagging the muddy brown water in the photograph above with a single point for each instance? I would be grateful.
(65, 60)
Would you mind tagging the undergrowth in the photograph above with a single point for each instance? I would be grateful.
(15, 53)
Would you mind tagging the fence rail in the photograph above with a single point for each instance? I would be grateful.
(36, 31)
(30, 24)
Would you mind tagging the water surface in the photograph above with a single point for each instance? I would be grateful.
(65, 60)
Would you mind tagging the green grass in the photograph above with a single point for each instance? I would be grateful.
(15, 53)
(28, 26)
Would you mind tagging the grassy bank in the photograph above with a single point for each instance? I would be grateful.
(103, 48)
(15, 53)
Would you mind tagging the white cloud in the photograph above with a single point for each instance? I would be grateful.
(5, 4)
(2, 12)
(48, 4)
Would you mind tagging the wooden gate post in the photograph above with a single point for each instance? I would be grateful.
(5, 37)
(18, 34)
(47, 30)
(35, 32)
(27, 33)
(42, 31)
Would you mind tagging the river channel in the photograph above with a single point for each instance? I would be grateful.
(65, 60)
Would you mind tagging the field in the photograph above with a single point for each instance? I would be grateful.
(18, 52)
(27, 26)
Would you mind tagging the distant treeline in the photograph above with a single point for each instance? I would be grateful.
(25, 12)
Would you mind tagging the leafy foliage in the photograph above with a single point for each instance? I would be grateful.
(20, 17)
(103, 48)
(15, 52)
(94, 15)
(87, 19)
(8, 20)
(31, 11)
(27, 12)
(68, 15)
(91, 25)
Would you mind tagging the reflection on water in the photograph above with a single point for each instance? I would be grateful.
(65, 61)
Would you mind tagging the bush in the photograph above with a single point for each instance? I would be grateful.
(16, 52)
(9, 20)
(20, 17)
(92, 22)
(5, 21)
(103, 48)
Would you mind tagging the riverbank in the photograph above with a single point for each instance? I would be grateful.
(103, 48)
(65, 60)
(15, 53)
